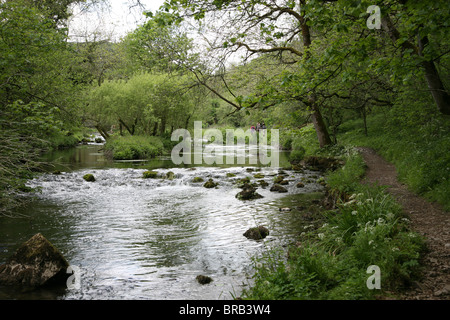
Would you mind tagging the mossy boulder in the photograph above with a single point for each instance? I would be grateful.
(230, 175)
(257, 233)
(35, 263)
(210, 184)
(258, 176)
(278, 188)
(170, 175)
(197, 180)
(150, 175)
(89, 177)
(248, 193)
(244, 183)
(300, 185)
(322, 163)
(263, 183)
(278, 179)
(284, 182)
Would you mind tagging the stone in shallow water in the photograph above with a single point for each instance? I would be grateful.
(278, 188)
(257, 233)
(248, 193)
(210, 184)
(36, 263)
(89, 177)
(203, 279)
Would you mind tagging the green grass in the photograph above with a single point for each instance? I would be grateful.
(420, 152)
(367, 228)
(134, 147)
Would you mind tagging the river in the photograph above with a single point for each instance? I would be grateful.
(135, 238)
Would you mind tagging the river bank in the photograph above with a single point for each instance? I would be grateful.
(363, 228)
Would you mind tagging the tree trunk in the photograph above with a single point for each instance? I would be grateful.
(364, 114)
(434, 82)
(126, 127)
(321, 128)
(155, 129)
(163, 125)
(437, 89)
(440, 95)
(319, 124)
(186, 124)
(102, 132)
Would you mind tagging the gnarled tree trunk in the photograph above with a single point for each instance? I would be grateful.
(440, 95)
(321, 129)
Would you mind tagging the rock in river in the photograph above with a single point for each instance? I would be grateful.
(150, 175)
(248, 193)
(203, 279)
(278, 188)
(257, 233)
(36, 263)
(89, 177)
(210, 184)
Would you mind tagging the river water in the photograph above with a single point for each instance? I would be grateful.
(135, 238)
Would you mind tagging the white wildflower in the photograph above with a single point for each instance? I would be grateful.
(321, 235)
(354, 212)
(390, 216)
(349, 202)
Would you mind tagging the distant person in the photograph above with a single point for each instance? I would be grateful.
(258, 126)
(263, 129)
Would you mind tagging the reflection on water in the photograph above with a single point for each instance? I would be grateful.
(136, 238)
(91, 156)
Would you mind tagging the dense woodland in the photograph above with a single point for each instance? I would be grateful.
(315, 69)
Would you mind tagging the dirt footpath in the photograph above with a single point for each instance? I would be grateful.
(427, 219)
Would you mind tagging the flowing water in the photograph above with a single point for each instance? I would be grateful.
(136, 238)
